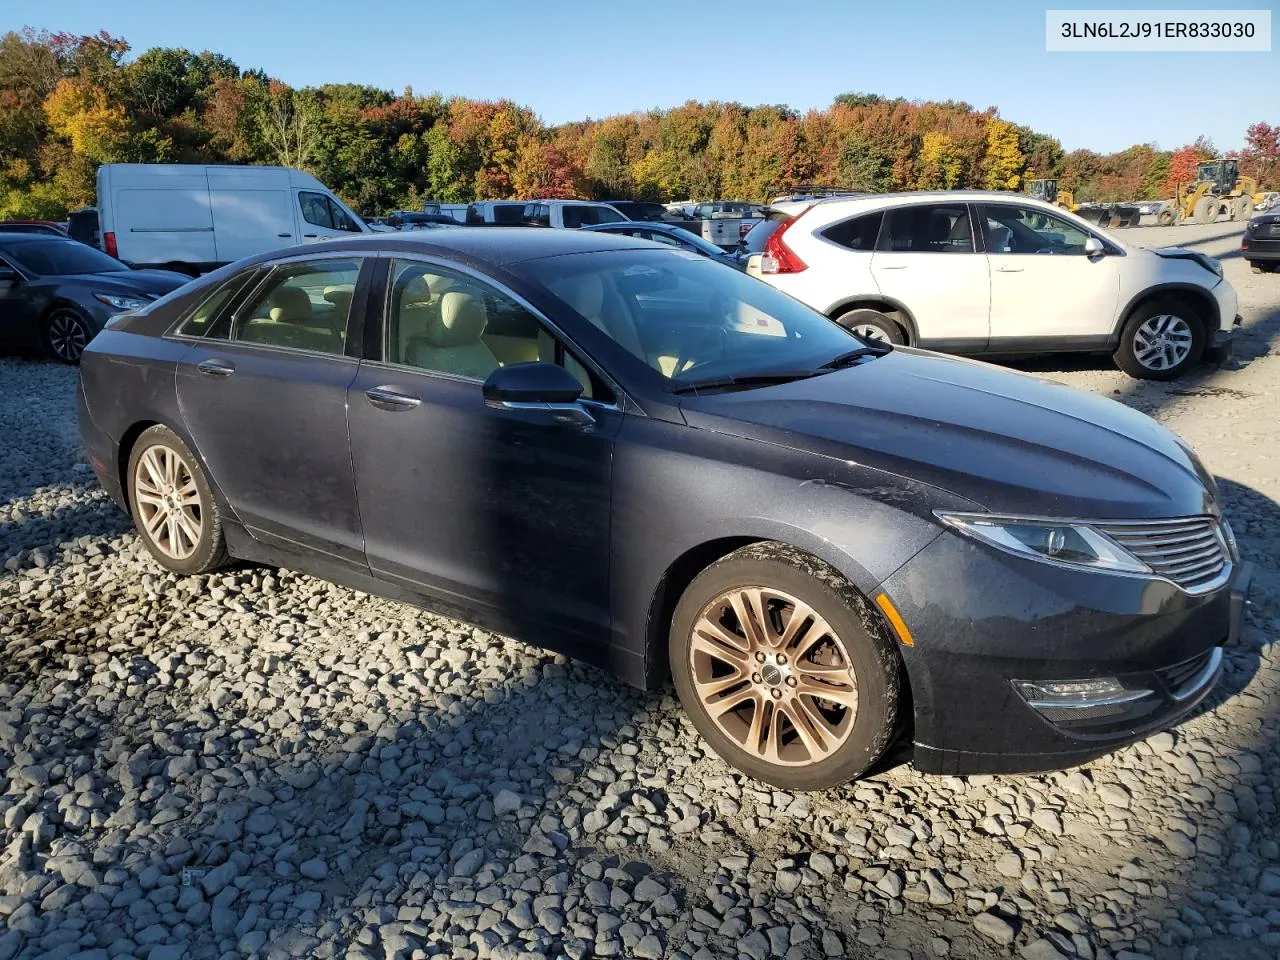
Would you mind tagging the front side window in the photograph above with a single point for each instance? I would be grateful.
(302, 306)
(928, 228)
(688, 317)
(1018, 229)
(319, 209)
(444, 321)
(316, 210)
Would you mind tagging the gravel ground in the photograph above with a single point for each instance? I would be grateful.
(262, 764)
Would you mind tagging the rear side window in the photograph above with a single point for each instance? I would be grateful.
(511, 214)
(856, 233)
(302, 306)
(928, 228)
(575, 216)
(537, 215)
(205, 316)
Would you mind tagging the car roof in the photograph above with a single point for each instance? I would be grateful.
(25, 236)
(480, 244)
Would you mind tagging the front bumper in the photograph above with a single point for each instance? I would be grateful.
(982, 620)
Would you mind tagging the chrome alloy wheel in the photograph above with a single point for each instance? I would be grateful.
(773, 676)
(67, 336)
(870, 332)
(1162, 342)
(168, 502)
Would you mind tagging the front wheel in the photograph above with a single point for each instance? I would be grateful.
(1160, 342)
(872, 325)
(781, 666)
(66, 334)
(173, 507)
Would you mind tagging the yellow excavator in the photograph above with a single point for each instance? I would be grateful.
(1219, 190)
(1047, 190)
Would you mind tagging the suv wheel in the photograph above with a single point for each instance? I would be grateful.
(1160, 341)
(779, 664)
(872, 325)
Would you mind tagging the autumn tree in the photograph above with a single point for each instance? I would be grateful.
(1183, 163)
(1261, 156)
(1003, 162)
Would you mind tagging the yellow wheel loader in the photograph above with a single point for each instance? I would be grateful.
(1218, 191)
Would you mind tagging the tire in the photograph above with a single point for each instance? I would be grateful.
(148, 483)
(1242, 209)
(872, 325)
(855, 730)
(1206, 210)
(1165, 218)
(66, 333)
(1139, 354)
(1256, 267)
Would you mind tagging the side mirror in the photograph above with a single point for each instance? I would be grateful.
(537, 382)
(1093, 247)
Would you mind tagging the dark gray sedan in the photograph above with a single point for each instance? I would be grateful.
(56, 293)
(652, 462)
(671, 235)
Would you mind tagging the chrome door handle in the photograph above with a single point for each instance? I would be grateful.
(216, 368)
(389, 398)
(892, 266)
(1009, 269)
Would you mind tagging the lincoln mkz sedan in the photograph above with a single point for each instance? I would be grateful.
(654, 463)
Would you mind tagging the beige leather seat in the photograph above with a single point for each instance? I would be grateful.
(340, 296)
(452, 342)
(595, 299)
(290, 305)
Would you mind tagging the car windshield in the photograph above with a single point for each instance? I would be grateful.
(691, 319)
(56, 258)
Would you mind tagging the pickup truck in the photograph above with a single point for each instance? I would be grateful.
(560, 214)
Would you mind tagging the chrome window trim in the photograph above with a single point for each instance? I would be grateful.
(623, 402)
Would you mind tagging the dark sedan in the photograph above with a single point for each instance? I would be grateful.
(1260, 244)
(646, 460)
(671, 235)
(56, 293)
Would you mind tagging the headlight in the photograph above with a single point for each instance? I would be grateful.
(1073, 544)
(119, 302)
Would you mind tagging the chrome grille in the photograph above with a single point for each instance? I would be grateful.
(1191, 552)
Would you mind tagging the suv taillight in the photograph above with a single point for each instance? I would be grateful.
(778, 257)
(109, 244)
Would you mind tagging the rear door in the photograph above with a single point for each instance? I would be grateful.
(927, 260)
(264, 398)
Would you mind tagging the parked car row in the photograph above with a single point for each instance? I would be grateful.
(635, 456)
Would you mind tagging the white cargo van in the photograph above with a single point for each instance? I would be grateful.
(194, 217)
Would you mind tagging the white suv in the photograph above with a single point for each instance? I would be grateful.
(974, 272)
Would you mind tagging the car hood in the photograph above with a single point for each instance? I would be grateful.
(125, 282)
(1010, 442)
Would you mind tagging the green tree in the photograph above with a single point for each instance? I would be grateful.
(1003, 162)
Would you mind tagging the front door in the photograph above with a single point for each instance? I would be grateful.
(264, 399)
(501, 515)
(1043, 286)
(927, 261)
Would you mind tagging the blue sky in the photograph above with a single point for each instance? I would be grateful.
(568, 60)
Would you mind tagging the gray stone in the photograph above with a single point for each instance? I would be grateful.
(995, 928)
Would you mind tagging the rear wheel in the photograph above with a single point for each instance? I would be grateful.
(1164, 218)
(1160, 341)
(1242, 209)
(872, 325)
(780, 665)
(173, 507)
(66, 334)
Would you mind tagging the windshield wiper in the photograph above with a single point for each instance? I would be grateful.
(847, 359)
(743, 380)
